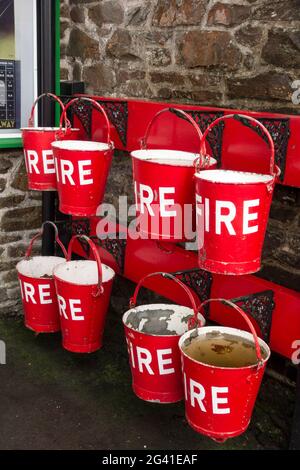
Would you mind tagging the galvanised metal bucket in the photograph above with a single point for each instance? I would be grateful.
(152, 333)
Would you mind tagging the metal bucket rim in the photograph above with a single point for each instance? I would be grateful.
(105, 270)
(225, 329)
(258, 178)
(189, 313)
(80, 145)
(33, 259)
(188, 161)
(47, 129)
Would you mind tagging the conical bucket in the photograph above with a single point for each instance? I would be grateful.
(232, 213)
(37, 287)
(222, 369)
(39, 160)
(82, 168)
(83, 292)
(152, 332)
(164, 187)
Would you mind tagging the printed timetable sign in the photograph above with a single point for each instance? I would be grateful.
(9, 94)
(18, 67)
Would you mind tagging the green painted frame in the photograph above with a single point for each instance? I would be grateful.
(11, 143)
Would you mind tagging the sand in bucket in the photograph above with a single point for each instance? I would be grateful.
(40, 267)
(222, 350)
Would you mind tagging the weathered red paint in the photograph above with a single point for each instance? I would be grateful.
(155, 358)
(83, 307)
(146, 256)
(219, 400)
(38, 294)
(38, 154)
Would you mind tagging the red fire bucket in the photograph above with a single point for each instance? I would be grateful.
(38, 289)
(83, 292)
(38, 154)
(81, 170)
(222, 368)
(152, 333)
(232, 213)
(164, 188)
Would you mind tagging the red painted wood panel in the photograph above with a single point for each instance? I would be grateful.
(242, 148)
(146, 256)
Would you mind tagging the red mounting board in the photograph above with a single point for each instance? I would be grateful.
(242, 148)
(147, 256)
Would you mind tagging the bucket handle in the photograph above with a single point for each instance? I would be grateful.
(274, 170)
(97, 106)
(245, 317)
(133, 299)
(182, 115)
(53, 97)
(38, 235)
(96, 255)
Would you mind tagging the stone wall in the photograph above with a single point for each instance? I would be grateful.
(20, 215)
(240, 53)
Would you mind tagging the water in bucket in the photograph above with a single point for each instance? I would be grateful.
(222, 372)
(222, 350)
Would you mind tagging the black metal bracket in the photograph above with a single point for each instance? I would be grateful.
(260, 306)
(115, 246)
(83, 110)
(117, 112)
(203, 119)
(279, 129)
(215, 137)
(198, 280)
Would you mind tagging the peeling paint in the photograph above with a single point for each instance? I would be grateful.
(159, 319)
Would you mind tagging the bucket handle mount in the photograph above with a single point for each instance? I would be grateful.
(96, 255)
(183, 115)
(53, 97)
(247, 320)
(274, 170)
(38, 235)
(97, 106)
(195, 305)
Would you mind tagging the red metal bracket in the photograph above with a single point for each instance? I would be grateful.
(129, 119)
